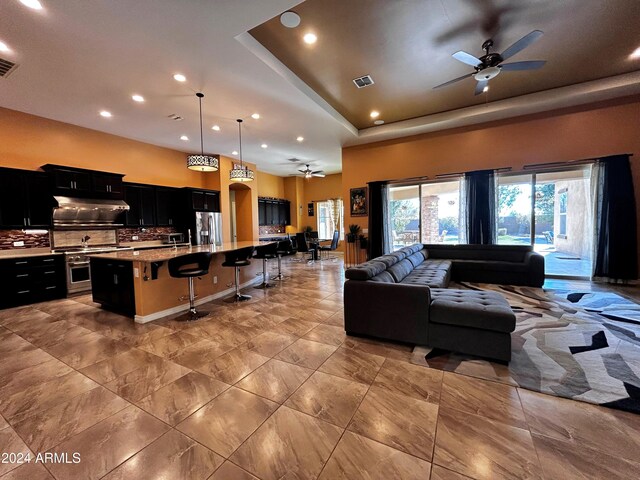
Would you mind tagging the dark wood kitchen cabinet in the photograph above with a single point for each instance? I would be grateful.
(169, 206)
(25, 199)
(25, 280)
(141, 200)
(273, 212)
(112, 285)
(79, 182)
(107, 185)
(205, 200)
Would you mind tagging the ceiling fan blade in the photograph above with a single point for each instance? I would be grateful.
(467, 58)
(529, 65)
(318, 171)
(521, 44)
(321, 175)
(453, 81)
(302, 171)
(480, 86)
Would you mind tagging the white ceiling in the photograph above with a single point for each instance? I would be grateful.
(77, 57)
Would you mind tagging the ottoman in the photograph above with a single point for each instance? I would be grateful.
(471, 322)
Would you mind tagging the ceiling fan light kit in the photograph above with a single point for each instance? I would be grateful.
(202, 162)
(490, 65)
(307, 173)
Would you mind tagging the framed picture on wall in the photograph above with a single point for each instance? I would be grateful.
(358, 202)
(310, 209)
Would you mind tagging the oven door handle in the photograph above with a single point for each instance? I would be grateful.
(78, 264)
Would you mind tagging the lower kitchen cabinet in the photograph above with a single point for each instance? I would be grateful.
(112, 285)
(26, 280)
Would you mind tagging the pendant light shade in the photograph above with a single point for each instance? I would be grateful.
(240, 173)
(202, 162)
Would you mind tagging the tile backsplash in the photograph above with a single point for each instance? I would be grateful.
(31, 240)
(151, 233)
(271, 229)
(73, 238)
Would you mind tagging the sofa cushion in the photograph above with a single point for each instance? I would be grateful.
(415, 259)
(436, 265)
(384, 277)
(400, 270)
(424, 252)
(391, 258)
(471, 308)
(430, 277)
(506, 253)
(411, 249)
(365, 271)
(495, 265)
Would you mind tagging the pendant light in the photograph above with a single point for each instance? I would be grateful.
(240, 173)
(202, 162)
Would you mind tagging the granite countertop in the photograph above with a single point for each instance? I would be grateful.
(162, 254)
(152, 244)
(27, 252)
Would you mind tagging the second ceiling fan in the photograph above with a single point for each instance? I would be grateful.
(308, 173)
(490, 64)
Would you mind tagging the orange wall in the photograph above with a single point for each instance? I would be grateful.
(270, 185)
(318, 189)
(575, 134)
(28, 142)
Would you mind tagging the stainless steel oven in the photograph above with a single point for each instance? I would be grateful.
(78, 273)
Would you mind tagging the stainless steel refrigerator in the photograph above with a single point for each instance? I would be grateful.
(208, 228)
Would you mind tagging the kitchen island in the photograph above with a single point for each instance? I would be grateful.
(137, 282)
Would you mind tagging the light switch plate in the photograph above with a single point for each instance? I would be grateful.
(18, 244)
(136, 272)
(135, 237)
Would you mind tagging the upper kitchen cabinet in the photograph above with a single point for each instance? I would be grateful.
(25, 199)
(107, 185)
(78, 182)
(169, 206)
(205, 200)
(141, 200)
(273, 212)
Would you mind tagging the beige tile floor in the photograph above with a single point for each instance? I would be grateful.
(273, 388)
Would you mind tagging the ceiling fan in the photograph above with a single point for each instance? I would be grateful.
(308, 173)
(490, 64)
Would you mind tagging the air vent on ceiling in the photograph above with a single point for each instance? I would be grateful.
(7, 67)
(364, 81)
(174, 116)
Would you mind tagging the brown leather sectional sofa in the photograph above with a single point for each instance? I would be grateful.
(403, 296)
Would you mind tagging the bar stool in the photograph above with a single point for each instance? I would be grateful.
(190, 266)
(238, 258)
(284, 247)
(266, 253)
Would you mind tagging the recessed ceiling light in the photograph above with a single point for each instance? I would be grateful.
(105, 114)
(374, 114)
(184, 138)
(485, 89)
(35, 4)
(635, 54)
(290, 19)
(378, 122)
(4, 48)
(137, 98)
(216, 128)
(179, 77)
(300, 139)
(264, 145)
(235, 152)
(310, 38)
(255, 116)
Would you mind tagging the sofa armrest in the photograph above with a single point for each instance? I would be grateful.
(535, 263)
(387, 310)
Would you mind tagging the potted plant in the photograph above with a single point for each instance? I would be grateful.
(364, 241)
(354, 230)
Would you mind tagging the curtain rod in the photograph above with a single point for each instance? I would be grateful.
(583, 161)
(460, 174)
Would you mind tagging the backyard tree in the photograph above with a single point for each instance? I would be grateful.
(402, 212)
(545, 195)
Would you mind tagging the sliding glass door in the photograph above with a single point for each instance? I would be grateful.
(556, 219)
(440, 212)
(404, 214)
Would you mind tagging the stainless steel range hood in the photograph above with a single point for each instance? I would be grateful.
(87, 212)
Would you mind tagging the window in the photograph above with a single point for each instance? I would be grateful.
(330, 217)
(562, 214)
(440, 202)
(514, 209)
(404, 213)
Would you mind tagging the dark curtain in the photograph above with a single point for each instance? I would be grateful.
(616, 249)
(481, 207)
(378, 213)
